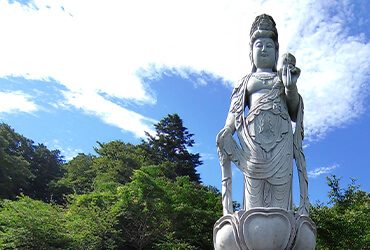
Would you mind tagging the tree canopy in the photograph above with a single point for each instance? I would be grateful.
(26, 167)
(145, 196)
(343, 223)
(171, 144)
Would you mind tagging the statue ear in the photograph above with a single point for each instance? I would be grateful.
(276, 59)
(251, 60)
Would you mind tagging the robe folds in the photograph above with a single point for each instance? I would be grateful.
(268, 147)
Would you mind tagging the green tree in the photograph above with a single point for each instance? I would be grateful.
(195, 210)
(15, 175)
(145, 196)
(46, 166)
(30, 224)
(116, 162)
(171, 144)
(79, 175)
(145, 212)
(345, 224)
(91, 220)
(25, 167)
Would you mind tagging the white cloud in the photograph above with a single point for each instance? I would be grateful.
(111, 113)
(323, 170)
(14, 102)
(105, 47)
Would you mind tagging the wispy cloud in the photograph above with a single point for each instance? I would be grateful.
(67, 152)
(98, 49)
(235, 171)
(18, 101)
(320, 171)
(207, 156)
(111, 113)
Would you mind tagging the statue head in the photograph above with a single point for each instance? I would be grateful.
(264, 28)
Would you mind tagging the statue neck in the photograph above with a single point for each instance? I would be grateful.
(261, 70)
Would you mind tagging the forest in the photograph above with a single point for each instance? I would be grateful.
(144, 196)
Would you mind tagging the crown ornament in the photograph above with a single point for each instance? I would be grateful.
(264, 22)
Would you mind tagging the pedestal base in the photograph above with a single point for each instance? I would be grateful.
(264, 228)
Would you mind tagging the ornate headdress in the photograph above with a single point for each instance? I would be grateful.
(264, 23)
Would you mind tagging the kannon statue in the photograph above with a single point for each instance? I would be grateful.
(263, 105)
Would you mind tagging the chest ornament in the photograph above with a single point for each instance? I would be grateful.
(265, 78)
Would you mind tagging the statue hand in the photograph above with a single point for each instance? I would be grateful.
(221, 136)
(290, 76)
(221, 142)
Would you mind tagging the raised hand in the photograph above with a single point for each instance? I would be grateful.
(290, 76)
(288, 72)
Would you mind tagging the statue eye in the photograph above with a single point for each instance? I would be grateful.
(258, 44)
(270, 45)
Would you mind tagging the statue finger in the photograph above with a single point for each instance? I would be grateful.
(285, 75)
(289, 77)
(285, 70)
(296, 71)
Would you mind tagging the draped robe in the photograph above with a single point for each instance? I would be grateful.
(268, 147)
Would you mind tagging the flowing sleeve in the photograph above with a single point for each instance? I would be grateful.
(239, 100)
(304, 203)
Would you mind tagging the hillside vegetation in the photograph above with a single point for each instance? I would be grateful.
(145, 196)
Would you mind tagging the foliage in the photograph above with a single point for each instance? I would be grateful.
(90, 220)
(46, 166)
(31, 224)
(344, 225)
(25, 167)
(145, 196)
(144, 211)
(79, 175)
(15, 174)
(171, 144)
(196, 209)
(116, 162)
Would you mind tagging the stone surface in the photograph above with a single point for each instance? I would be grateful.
(266, 148)
(264, 228)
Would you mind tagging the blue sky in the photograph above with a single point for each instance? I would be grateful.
(76, 72)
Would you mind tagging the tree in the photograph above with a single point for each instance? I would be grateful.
(344, 225)
(171, 144)
(91, 220)
(195, 210)
(46, 166)
(145, 196)
(15, 175)
(25, 167)
(30, 224)
(145, 211)
(79, 175)
(116, 162)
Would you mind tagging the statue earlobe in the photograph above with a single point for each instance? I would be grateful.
(254, 68)
(276, 60)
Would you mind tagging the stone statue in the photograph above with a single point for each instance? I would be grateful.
(267, 146)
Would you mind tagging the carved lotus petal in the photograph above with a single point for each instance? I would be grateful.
(266, 231)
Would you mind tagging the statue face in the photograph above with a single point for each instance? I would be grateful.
(264, 53)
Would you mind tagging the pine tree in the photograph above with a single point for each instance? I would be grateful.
(170, 144)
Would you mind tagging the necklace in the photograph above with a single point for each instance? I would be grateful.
(264, 77)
